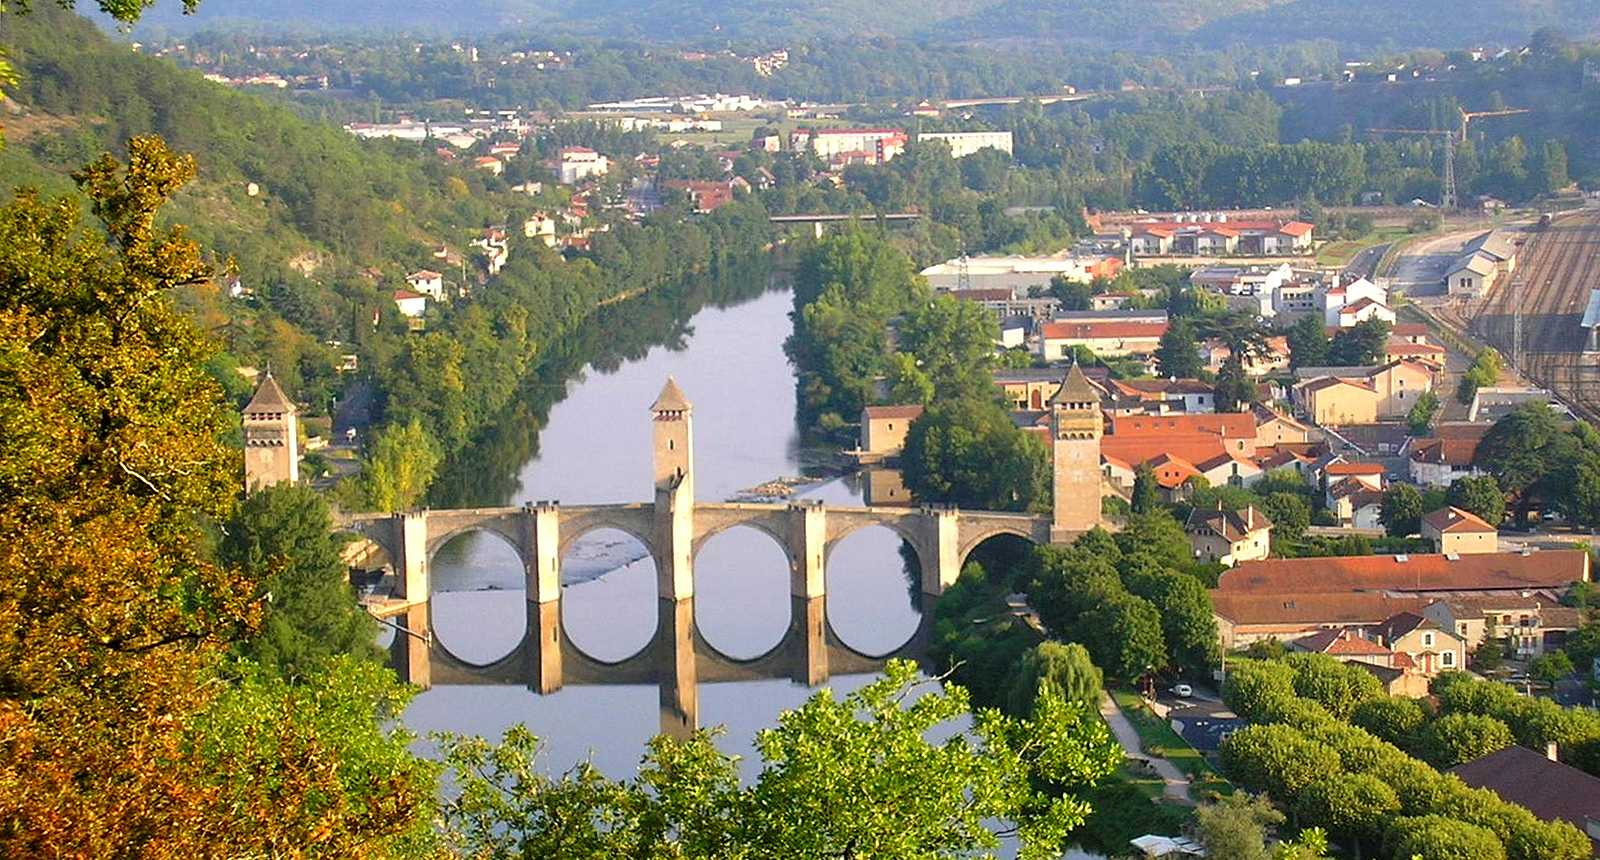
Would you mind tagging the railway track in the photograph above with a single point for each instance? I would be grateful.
(1558, 266)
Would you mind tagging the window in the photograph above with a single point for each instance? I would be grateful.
(1427, 640)
(1448, 658)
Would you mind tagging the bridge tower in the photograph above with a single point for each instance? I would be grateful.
(271, 437)
(673, 436)
(1075, 428)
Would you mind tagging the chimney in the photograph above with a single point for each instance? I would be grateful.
(1550, 752)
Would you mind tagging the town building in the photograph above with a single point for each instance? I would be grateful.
(705, 195)
(1244, 617)
(428, 283)
(876, 145)
(1396, 671)
(573, 164)
(1552, 791)
(1481, 263)
(1335, 396)
(1549, 571)
(1335, 296)
(1530, 624)
(1076, 426)
(1110, 338)
(1431, 648)
(965, 143)
(1007, 303)
(1457, 532)
(1164, 395)
(489, 163)
(1206, 235)
(542, 227)
(1020, 273)
(271, 428)
(1228, 537)
(884, 428)
(410, 304)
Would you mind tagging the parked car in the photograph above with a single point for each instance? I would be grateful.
(1182, 691)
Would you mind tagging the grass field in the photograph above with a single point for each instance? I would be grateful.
(1158, 739)
(1342, 252)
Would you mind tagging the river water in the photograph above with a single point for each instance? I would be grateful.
(588, 441)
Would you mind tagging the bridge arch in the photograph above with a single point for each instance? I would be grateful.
(613, 616)
(744, 572)
(971, 543)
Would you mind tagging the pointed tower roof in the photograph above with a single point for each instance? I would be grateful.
(269, 397)
(1076, 388)
(670, 399)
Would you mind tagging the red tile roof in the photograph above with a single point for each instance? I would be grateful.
(1355, 469)
(1451, 445)
(1317, 608)
(1228, 425)
(1190, 447)
(1341, 642)
(1483, 572)
(1453, 520)
(1098, 330)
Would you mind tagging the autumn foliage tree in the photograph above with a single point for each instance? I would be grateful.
(113, 616)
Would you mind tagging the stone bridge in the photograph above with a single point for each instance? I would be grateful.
(807, 532)
(673, 527)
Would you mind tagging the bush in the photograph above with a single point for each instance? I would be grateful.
(1457, 738)
(1434, 837)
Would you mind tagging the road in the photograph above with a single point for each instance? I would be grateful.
(1556, 269)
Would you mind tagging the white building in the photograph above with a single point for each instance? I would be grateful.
(577, 163)
(826, 143)
(411, 304)
(428, 283)
(1333, 298)
(965, 143)
(540, 226)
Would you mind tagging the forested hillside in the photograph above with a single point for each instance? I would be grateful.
(1197, 23)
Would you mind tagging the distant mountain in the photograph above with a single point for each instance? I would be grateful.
(1107, 23)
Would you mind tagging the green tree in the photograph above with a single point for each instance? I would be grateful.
(970, 453)
(1145, 498)
(1523, 450)
(909, 382)
(1335, 685)
(1458, 738)
(1277, 760)
(1357, 807)
(1402, 512)
(1420, 417)
(283, 537)
(1246, 340)
(396, 475)
(953, 341)
(840, 777)
(1390, 718)
(1437, 837)
(1188, 626)
(1158, 536)
(1551, 667)
(1583, 645)
(1065, 668)
(1178, 355)
(1308, 342)
(1290, 515)
(1127, 642)
(1236, 825)
(1359, 345)
(1484, 372)
(1479, 496)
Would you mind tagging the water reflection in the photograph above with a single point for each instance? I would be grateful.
(608, 600)
(741, 593)
(478, 596)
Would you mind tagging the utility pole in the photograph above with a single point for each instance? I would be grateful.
(1449, 197)
(1516, 323)
(963, 272)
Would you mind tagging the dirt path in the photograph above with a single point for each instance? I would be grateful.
(1175, 784)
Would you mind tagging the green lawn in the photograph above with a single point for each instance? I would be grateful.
(1340, 253)
(1158, 739)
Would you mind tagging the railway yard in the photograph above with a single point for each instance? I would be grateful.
(1558, 265)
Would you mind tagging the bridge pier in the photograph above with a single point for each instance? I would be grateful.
(411, 568)
(679, 678)
(946, 562)
(409, 652)
(541, 556)
(808, 620)
(808, 543)
(544, 666)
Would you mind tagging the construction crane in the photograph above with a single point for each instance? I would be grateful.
(1452, 137)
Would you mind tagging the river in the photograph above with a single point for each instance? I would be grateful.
(588, 441)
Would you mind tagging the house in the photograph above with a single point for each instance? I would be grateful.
(1030, 388)
(1244, 617)
(1273, 428)
(1229, 470)
(1531, 624)
(411, 305)
(489, 163)
(574, 164)
(878, 145)
(1213, 235)
(1229, 537)
(428, 283)
(1355, 504)
(1398, 348)
(1397, 672)
(1331, 401)
(1363, 310)
(1226, 432)
(705, 196)
(1334, 297)
(1457, 532)
(1215, 353)
(542, 227)
(1150, 241)
(1482, 262)
(1182, 395)
(1172, 474)
(1549, 789)
(1551, 571)
(1399, 385)
(884, 428)
(1110, 338)
(505, 151)
(1370, 475)
(965, 143)
(1431, 648)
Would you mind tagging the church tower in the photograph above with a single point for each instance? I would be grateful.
(673, 435)
(1075, 428)
(271, 437)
